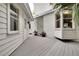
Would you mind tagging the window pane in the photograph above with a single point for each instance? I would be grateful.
(13, 8)
(16, 24)
(67, 15)
(67, 23)
(67, 19)
(58, 24)
(13, 24)
(13, 18)
(57, 16)
(57, 20)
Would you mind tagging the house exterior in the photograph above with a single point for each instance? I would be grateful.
(43, 18)
(14, 27)
(55, 22)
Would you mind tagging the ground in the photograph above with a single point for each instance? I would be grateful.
(40, 46)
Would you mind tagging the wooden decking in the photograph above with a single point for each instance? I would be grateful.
(38, 46)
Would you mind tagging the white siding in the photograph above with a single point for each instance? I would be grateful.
(9, 42)
(39, 24)
(77, 30)
(49, 24)
(3, 20)
(69, 34)
(3, 25)
(58, 33)
(3, 31)
(2, 36)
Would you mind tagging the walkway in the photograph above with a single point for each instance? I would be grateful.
(39, 46)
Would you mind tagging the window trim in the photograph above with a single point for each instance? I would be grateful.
(9, 31)
(73, 27)
(61, 20)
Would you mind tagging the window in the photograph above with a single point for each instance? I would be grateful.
(67, 18)
(29, 25)
(57, 20)
(13, 18)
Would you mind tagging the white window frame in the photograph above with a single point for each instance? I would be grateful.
(61, 21)
(9, 31)
(72, 21)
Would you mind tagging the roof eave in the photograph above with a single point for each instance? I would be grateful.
(44, 13)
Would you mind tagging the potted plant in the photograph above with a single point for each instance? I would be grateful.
(43, 34)
(35, 33)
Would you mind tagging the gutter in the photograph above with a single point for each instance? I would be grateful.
(29, 11)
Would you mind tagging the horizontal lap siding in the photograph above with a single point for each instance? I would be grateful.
(3, 20)
(3, 31)
(3, 36)
(3, 26)
(3, 9)
(11, 45)
(3, 5)
(8, 43)
(2, 14)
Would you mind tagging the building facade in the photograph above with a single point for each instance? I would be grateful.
(57, 23)
(14, 26)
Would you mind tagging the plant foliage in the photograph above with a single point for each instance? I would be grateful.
(69, 5)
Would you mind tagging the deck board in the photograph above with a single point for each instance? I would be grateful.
(39, 46)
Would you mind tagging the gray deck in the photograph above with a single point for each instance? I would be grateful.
(38, 46)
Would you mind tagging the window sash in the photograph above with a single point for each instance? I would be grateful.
(67, 20)
(13, 26)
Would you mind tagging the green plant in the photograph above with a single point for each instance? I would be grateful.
(69, 5)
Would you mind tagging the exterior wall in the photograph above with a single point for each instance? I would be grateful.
(77, 33)
(69, 34)
(9, 42)
(32, 26)
(39, 21)
(58, 33)
(49, 24)
(35, 22)
(65, 33)
(77, 30)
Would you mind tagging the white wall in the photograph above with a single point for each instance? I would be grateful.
(65, 33)
(49, 24)
(32, 27)
(58, 33)
(39, 21)
(9, 42)
(69, 34)
(77, 30)
(35, 22)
